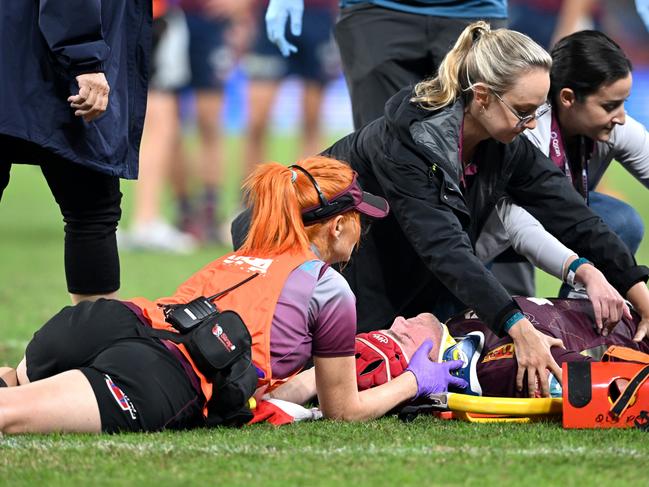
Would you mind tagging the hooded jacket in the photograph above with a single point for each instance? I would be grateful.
(411, 157)
(44, 45)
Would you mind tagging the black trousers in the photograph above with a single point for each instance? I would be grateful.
(405, 49)
(90, 204)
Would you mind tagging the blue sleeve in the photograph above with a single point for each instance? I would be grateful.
(73, 32)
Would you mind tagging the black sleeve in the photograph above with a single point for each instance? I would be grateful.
(422, 206)
(73, 32)
(543, 190)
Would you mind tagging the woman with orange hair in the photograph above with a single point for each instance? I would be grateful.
(110, 361)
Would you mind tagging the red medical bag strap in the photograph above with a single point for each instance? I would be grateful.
(630, 392)
(625, 354)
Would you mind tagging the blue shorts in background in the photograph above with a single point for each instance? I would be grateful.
(317, 57)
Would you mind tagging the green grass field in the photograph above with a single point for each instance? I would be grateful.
(384, 452)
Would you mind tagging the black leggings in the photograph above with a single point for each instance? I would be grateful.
(90, 205)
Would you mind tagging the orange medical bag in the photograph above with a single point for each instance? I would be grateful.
(592, 397)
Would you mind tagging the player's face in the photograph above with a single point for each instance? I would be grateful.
(410, 333)
(597, 115)
(508, 114)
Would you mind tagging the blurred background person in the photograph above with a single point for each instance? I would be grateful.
(315, 64)
(643, 11)
(547, 21)
(169, 71)
(211, 61)
(386, 45)
(408, 41)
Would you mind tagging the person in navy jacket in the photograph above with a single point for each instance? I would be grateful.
(73, 84)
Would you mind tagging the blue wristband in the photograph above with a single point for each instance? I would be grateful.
(572, 269)
(513, 319)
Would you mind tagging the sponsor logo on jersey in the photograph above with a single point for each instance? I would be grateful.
(122, 399)
(540, 301)
(499, 353)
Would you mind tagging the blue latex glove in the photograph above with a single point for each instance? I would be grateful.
(643, 10)
(277, 13)
(433, 378)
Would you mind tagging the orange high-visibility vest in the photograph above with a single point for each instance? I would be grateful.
(255, 301)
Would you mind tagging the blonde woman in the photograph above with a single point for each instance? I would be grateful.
(443, 155)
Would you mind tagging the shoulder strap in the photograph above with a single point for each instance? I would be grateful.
(166, 335)
(630, 392)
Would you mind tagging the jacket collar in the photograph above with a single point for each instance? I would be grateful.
(437, 132)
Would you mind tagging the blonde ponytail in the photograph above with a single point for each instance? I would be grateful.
(495, 58)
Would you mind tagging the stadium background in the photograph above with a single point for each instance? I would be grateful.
(384, 452)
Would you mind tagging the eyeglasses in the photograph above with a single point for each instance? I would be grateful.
(522, 121)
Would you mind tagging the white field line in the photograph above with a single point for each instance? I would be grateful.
(146, 448)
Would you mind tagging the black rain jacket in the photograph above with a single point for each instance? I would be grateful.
(410, 156)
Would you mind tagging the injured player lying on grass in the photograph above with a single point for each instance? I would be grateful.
(490, 364)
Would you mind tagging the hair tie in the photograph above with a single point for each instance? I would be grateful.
(293, 176)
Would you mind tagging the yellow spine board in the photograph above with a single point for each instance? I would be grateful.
(506, 406)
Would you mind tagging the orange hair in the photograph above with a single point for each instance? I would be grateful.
(278, 201)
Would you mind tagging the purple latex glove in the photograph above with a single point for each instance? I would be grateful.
(432, 377)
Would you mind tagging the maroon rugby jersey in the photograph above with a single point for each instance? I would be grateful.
(571, 320)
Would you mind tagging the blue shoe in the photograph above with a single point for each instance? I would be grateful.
(555, 387)
(468, 349)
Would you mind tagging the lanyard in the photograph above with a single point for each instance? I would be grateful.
(584, 155)
(471, 169)
(557, 149)
(559, 156)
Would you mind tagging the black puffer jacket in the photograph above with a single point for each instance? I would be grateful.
(410, 157)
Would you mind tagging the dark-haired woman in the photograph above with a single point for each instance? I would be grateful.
(587, 128)
(584, 131)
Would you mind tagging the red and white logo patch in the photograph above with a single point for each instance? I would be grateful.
(122, 399)
(218, 332)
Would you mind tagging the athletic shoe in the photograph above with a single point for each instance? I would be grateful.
(157, 236)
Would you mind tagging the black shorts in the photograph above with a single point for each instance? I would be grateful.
(138, 383)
